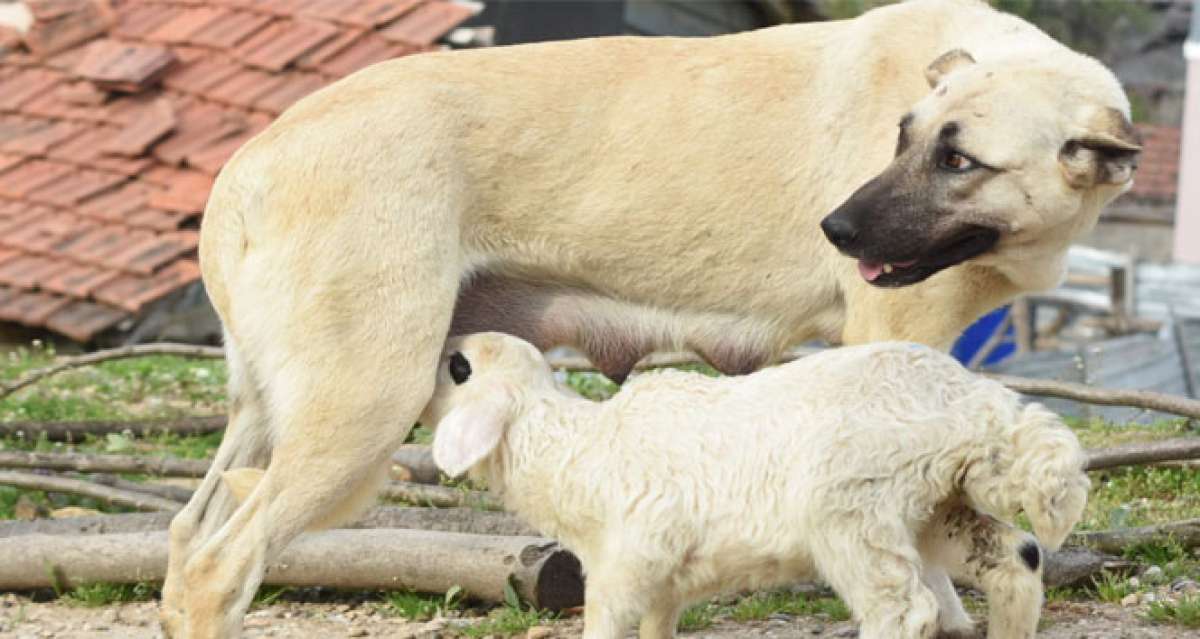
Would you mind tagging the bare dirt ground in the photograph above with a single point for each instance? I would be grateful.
(23, 619)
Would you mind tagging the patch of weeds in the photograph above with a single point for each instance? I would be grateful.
(513, 618)
(1157, 554)
(1060, 594)
(1182, 612)
(593, 386)
(420, 435)
(698, 617)
(1111, 588)
(421, 606)
(103, 594)
(189, 447)
(764, 604)
(268, 595)
(1139, 496)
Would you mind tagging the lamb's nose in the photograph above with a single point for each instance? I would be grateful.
(840, 231)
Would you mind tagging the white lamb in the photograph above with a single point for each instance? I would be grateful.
(874, 467)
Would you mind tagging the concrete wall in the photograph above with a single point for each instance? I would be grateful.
(1187, 215)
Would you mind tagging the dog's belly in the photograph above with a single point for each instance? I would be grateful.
(614, 334)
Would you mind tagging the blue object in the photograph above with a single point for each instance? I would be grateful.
(980, 332)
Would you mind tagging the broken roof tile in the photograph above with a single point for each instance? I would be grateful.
(185, 24)
(428, 22)
(68, 193)
(81, 321)
(200, 126)
(275, 47)
(230, 30)
(124, 66)
(156, 121)
(27, 271)
(187, 193)
(32, 309)
(134, 292)
(30, 176)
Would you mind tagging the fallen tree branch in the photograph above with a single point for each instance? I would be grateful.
(108, 495)
(76, 431)
(460, 520)
(84, 463)
(123, 352)
(180, 494)
(1183, 448)
(1149, 400)
(1075, 565)
(438, 496)
(543, 573)
(1186, 533)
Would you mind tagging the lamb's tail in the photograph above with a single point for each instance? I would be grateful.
(1041, 471)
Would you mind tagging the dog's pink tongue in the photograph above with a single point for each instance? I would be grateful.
(870, 270)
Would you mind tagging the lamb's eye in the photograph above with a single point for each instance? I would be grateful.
(460, 368)
(955, 161)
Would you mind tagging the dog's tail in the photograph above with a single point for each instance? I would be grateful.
(1039, 468)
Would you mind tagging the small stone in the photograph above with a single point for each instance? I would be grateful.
(357, 631)
(110, 616)
(1134, 582)
(1149, 597)
(847, 632)
(539, 632)
(1185, 585)
(780, 617)
(817, 629)
(1153, 574)
(1129, 600)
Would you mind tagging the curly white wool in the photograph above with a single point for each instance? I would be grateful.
(882, 468)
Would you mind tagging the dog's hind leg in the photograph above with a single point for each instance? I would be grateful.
(245, 443)
(995, 557)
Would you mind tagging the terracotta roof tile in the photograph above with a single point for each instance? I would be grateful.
(82, 93)
(26, 215)
(116, 204)
(364, 52)
(148, 255)
(230, 30)
(373, 13)
(38, 140)
(124, 66)
(211, 158)
(27, 271)
(30, 176)
(199, 127)
(25, 86)
(46, 232)
(79, 280)
(133, 292)
(185, 24)
(428, 22)
(141, 19)
(335, 45)
(7, 254)
(65, 61)
(158, 219)
(83, 184)
(32, 309)
(187, 193)
(295, 87)
(244, 87)
(103, 241)
(50, 9)
(202, 75)
(88, 19)
(81, 321)
(156, 121)
(9, 160)
(275, 47)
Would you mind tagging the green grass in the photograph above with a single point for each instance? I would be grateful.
(764, 604)
(698, 617)
(506, 621)
(103, 594)
(1111, 588)
(1183, 612)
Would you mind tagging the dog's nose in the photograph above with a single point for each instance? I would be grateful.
(840, 231)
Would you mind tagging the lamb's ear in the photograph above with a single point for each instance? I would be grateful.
(1106, 153)
(241, 481)
(469, 432)
(944, 64)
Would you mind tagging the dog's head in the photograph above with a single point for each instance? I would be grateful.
(1001, 163)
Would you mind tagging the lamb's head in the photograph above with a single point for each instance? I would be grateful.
(482, 381)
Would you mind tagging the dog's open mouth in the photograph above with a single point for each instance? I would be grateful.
(973, 241)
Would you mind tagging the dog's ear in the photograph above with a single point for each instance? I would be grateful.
(1105, 153)
(945, 63)
(471, 430)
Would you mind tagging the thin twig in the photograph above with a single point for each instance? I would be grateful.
(1162, 402)
(180, 494)
(1183, 448)
(162, 466)
(1186, 533)
(124, 352)
(112, 496)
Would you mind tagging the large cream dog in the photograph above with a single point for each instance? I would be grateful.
(620, 195)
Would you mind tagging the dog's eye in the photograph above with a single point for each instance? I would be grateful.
(460, 368)
(955, 161)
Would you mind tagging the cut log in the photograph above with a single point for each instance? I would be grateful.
(180, 494)
(112, 496)
(1073, 565)
(438, 496)
(1183, 448)
(77, 431)
(144, 465)
(1185, 533)
(418, 460)
(542, 572)
(460, 520)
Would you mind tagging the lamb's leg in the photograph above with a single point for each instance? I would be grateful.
(953, 620)
(876, 569)
(611, 604)
(998, 558)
